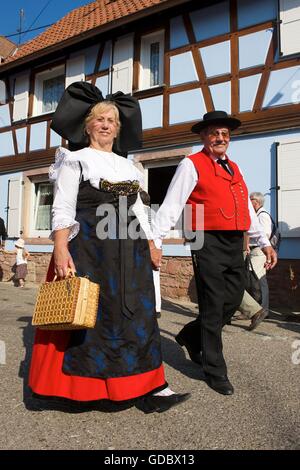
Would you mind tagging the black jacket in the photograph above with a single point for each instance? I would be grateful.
(3, 233)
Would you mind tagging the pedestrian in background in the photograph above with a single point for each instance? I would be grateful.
(258, 260)
(22, 256)
(3, 234)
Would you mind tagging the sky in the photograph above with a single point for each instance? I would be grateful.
(36, 13)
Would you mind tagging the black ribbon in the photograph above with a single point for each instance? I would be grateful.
(225, 164)
(74, 106)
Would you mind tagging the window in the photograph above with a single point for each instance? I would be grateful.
(49, 87)
(152, 55)
(53, 89)
(41, 209)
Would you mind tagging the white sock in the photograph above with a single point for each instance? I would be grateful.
(164, 393)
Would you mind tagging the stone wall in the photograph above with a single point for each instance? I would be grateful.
(177, 280)
(37, 266)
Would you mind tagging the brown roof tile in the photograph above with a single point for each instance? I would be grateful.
(81, 20)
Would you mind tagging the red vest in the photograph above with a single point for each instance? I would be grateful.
(225, 197)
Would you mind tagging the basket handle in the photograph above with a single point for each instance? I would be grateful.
(69, 275)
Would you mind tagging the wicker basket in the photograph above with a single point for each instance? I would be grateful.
(69, 304)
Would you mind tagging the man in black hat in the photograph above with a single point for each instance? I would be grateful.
(3, 234)
(210, 180)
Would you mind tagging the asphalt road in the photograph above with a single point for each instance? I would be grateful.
(264, 412)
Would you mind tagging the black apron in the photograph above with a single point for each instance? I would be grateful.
(126, 339)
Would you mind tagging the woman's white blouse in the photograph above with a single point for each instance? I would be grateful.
(96, 165)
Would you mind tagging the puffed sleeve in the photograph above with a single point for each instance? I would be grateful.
(66, 184)
(142, 213)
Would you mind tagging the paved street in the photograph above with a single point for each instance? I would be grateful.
(263, 413)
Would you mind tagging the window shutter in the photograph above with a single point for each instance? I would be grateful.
(75, 70)
(14, 207)
(2, 92)
(123, 65)
(288, 163)
(289, 27)
(21, 94)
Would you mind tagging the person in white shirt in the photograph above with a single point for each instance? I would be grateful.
(22, 256)
(96, 204)
(156, 273)
(210, 180)
(258, 259)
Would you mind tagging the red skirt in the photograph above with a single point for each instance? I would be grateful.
(47, 378)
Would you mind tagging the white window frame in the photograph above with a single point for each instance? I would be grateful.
(173, 233)
(146, 41)
(38, 89)
(284, 233)
(33, 233)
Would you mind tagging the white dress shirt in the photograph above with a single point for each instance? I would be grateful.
(96, 165)
(266, 223)
(181, 186)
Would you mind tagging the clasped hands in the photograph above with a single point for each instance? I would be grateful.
(156, 255)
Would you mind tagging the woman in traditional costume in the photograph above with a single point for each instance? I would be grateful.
(120, 359)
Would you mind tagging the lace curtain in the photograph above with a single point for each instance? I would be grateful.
(53, 89)
(44, 202)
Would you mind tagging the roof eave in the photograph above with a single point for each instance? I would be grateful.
(90, 33)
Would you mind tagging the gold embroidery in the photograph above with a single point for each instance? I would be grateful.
(121, 188)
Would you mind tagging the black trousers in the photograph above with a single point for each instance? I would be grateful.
(220, 281)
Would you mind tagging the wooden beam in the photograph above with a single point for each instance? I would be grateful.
(166, 100)
(234, 59)
(266, 73)
(202, 79)
(233, 16)
(136, 62)
(189, 28)
(98, 60)
(10, 107)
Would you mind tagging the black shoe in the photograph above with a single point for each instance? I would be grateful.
(158, 314)
(260, 316)
(220, 384)
(194, 356)
(159, 403)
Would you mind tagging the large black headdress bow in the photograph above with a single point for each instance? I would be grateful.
(74, 106)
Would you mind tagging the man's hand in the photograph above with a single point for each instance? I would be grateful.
(271, 256)
(156, 255)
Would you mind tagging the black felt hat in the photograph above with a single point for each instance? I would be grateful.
(76, 103)
(216, 118)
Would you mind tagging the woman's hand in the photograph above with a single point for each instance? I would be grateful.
(63, 262)
(156, 255)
